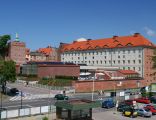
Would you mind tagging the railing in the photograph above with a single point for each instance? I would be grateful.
(15, 113)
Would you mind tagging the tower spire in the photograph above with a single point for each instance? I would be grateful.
(17, 37)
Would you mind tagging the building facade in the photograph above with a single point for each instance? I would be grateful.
(16, 52)
(126, 52)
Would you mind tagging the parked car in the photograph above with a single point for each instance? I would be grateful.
(143, 100)
(14, 91)
(61, 97)
(151, 108)
(129, 102)
(131, 112)
(144, 112)
(122, 107)
(108, 104)
(153, 99)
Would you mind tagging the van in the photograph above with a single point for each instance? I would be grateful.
(108, 104)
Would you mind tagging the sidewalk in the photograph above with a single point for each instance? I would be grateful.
(50, 116)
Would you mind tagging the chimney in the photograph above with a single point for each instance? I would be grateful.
(136, 34)
(114, 37)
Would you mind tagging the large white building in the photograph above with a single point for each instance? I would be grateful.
(126, 52)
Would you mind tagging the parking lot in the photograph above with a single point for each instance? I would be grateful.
(111, 114)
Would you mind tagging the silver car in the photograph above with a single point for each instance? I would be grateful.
(144, 112)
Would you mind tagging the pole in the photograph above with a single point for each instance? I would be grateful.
(93, 90)
(21, 99)
(1, 106)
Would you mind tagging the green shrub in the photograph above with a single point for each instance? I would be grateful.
(45, 118)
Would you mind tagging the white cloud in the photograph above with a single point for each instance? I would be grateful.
(150, 32)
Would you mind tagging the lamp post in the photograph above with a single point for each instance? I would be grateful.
(21, 99)
(93, 87)
(93, 90)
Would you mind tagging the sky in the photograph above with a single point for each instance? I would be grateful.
(40, 23)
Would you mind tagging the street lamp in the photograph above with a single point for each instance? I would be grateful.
(21, 99)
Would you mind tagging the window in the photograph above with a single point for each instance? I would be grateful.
(93, 62)
(139, 56)
(78, 58)
(93, 53)
(101, 61)
(119, 61)
(89, 62)
(118, 56)
(133, 68)
(93, 57)
(134, 61)
(123, 51)
(128, 61)
(123, 61)
(97, 62)
(139, 61)
(123, 56)
(85, 57)
(105, 57)
(105, 62)
(114, 61)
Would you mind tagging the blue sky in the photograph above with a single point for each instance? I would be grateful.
(40, 23)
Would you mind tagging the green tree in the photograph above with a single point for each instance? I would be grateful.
(8, 73)
(3, 45)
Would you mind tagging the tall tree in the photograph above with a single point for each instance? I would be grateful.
(3, 45)
(8, 73)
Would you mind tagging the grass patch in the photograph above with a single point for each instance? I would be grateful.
(56, 82)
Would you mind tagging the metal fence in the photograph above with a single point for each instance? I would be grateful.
(68, 89)
(15, 113)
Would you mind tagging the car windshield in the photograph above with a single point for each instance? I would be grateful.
(147, 110)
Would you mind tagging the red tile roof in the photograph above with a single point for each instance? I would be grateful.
(46, 51)
(127, 72)
(114, 42)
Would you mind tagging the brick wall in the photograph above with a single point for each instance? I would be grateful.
(149, 75)
(87, 86)
(58, 70)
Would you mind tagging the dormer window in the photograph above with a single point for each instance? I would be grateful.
(78, 48)
(105, 46)
(119, 45)
(97, 47)
(129, 44)
(89, 47)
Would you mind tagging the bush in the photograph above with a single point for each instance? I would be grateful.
(44, 118)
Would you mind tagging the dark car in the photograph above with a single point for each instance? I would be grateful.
(108, 104)
(61, 97)
(14, 91)
(122, 107)
(153, 99)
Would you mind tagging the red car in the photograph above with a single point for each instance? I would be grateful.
(128, 102)
(151, 108)
(143, 100)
